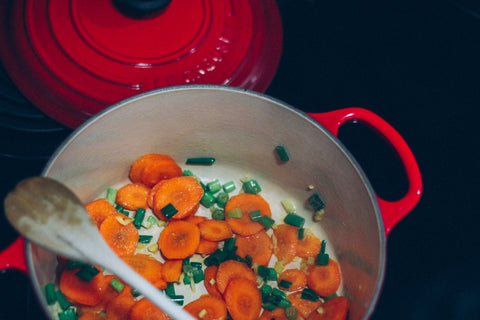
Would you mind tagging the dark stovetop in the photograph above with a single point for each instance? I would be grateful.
(416, 64)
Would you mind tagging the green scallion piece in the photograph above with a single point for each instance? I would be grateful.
(222, 198)
(235, 213)
(169, 211)
(206, 161)
(301, 233)
(207, 200)
(188, 173)
(322, 259)
(178, 299)
(87, 272)
(265, 290)
(316, 202)
(50, 293)
(135, 293)
(294, 220)
(214, 186)
(278, 293)
(145, 239)
(218, 214)
(269, 306)
(249, 260)
(309, 294)
(267, 273)
(62, 301)
(111, 195)
(266, 221)
(152, 220)
(139, 216)
(229, 244)
(284, 284)
(119, 208)
(255, 215)
(198, 275)
(125, 212)
(196, 265)
(331, 296)
(170, 290)
(116, 285)
(228, 186)
(73, 264)
(282, 153)
(251, 186)
(68, 314)
(284, 303)
(291, 313)
(323, 246)
(288, 206)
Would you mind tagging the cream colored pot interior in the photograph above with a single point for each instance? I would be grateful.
(241, 130)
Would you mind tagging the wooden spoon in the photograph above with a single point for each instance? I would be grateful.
(49, 214)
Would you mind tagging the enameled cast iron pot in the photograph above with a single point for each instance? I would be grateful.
(241, 130)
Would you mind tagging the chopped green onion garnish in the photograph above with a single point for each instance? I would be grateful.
(282, 153)
(284, 303)
(309, 294)
(294, 220)
(255, 215)
(235, 213)
(229, 186)
(135, 293)
(301, 233)
(87, 272)
(270, 306)
(201, 161)
(188, 173)
(222, 198)
(288, 206)
(73, 264)
(119, 208)
(169, 211)
(139, 216)
(145, 239)
(178, 299)
(170, 290)
(278, 292)
(198, 275)
(267, 273)
(214, 186)
(284, 284)
(68, 314)
(62, 301)
(291, 313)
(266, 221)
(152, 220)
(117, 285)
(207, 200)
(251, 186)
(265, 290)
(322, 259)
(331, 296)
(323, 246)
(50, 293)
(218, 214)
(229, 244)
(249, 260)
(196, 265)
(111, 195)
(316, 202)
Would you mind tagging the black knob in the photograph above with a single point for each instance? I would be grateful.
(139, 8)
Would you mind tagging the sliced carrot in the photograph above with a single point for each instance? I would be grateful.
(145, 310)
(207, 307)
(324, 279)
(304, 306)
(215, 230)
(179, 240)
(92, 316)
(259, 246)
(184, 193)
(172, 269)
(309, 246)
(277, 314)
(210, 282)
(119, 307)
(100, 209)
(148, 267)
(151, 195)
(231, 269)
(79, 291)
(151, 168)
(243, 299)
(206, 247)
(122, 238)
(296, 277)
(133, 196)
(195, 219)
(247, 203)
(335, 308)
(286, 238)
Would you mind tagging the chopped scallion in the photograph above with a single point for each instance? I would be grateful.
(316, 202)
(111, 195)
(228, 186)
(218, 214)
(284, 284)
(309, 294)
(188, 173)
(301, 233)
(152, 220)
(139, 216)
(323, 246)
(178, 299)
(282, 153)
(291, 313)
(207, 200)
(294, 220)
(288, 206)
(170, 290)
(235, 213)
(198, 275)
(201, 161)
(119, 208)
(251, 186)
(62, 301)
(145, 239)
(222, 198)
(266, 221)
(50, 293)
(73, 264)
(135, 293)
(284, 303)
(249, 260)
(68, 314)
(87, 272)
(116, 285)
(214, 186)
(169, 211)
(267, 273)
(322, 259)
(255, 215)
(153, 248)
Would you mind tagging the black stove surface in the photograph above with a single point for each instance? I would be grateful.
(414, 63)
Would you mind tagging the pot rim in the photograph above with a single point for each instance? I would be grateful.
(382, 234)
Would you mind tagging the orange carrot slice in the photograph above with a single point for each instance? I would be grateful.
(286, 238)
(296, 277)
(122, 238)
(207, 308)
(148, 267)
(324, 279)
(172, 269)
(335, 308)
(215, 230)
(195, 219)
(133, 196)
(151, 195)
(91, 316)
(119, 308)
(304, 306)
(179, 240)
(149, 169)
(100, 209)
(206, 247)
(184, 193)
(247, 203)
(210, 275)
(145, 310)
(231, 269)
(79, 291)
(259, 246)
(277, 314)
(243, 299)
(309, 246)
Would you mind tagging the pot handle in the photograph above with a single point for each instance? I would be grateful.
(14, 256)
(392, 211)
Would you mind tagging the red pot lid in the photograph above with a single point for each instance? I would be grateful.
(73, 58)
